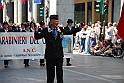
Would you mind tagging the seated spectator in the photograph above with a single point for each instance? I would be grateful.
(99, 48)
(96, 48)
(122, 46)
(108, 47)
(117, 49)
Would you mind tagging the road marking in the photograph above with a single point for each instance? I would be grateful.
(91, 76)
(32, 79)
(113, 77)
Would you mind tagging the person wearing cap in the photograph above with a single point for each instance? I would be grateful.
(26, 28)
(54, 51)
(23, 29)
(69, 27)
(5, 29)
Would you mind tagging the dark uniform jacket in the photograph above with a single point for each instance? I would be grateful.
(54, 47)
(67, 28)
(2, 30)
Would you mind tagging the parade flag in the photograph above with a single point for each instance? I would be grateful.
(1, 4)
(4, 0)
(121, 24)
(37, 1)
(23, 2)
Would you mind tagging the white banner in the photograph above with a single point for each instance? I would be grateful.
(21, 45)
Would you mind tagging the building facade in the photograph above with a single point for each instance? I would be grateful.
(18, 12)
(85, 11)
(77, 10)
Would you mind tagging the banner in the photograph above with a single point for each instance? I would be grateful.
(121, 23)
(1, 4)
(23, 2)
(37, 1)
(16, 45)
(67, 44)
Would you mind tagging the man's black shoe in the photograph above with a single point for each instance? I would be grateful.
(42, 64)
(26, 65)
(68, 64)
(5, 66)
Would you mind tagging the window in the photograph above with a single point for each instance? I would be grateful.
(79, 14)
(89, 13)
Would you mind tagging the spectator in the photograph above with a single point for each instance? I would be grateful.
(97, 31)
(109, 31)
(87, 40)
(117, 48)
(115, 36)
(108, 47)
(92, 38)
(82, 37)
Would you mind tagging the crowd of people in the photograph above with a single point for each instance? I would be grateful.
(93, 39)
(98, 40)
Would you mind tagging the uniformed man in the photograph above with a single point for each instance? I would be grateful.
(42, 25)
(5, 29)
(70, 27)
(54, 51)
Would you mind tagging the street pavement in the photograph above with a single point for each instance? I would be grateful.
(85, 69)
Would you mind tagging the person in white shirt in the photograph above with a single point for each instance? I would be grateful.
(109, 30)
(87, 40)
(115, 31)
(82, 37)
(97, 31)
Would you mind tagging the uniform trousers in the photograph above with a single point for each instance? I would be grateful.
(26, 61)
(50, 67)
(41, 60)
(6, 62)
(68, 60)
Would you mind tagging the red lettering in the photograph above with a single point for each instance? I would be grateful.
(24, 38)
(29, 50)
(10, 38)
(33, 50)
(32, 38)
(3, 38)
(7, 38)
(14, 38)
(26, 50)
